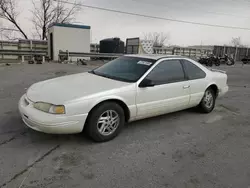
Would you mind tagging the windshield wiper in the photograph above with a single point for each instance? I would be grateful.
(106, 76)
(102, 75)
(110, 77)
(92, 71)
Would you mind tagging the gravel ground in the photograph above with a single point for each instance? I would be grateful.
(180, 150)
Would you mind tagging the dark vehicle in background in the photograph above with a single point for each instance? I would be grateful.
(214, 60)
(246, 60)
(217, 61)
(203, 61)
(227, 60)
(209, 61)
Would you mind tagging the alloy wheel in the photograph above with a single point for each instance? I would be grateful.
(108, 122)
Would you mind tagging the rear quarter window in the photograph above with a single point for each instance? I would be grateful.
(193, 71)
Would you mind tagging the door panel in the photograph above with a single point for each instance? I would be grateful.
(198, 82)
(197, 89)
(170, 92)
(161, 99)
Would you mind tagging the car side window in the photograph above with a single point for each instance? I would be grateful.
(193, 71)
(168, 71)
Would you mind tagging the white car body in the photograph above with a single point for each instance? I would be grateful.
(80, 93)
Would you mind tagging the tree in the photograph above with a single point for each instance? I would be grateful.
(47, 12)
(9, 34)
(236, 41)
(159, 39)
(8, 11)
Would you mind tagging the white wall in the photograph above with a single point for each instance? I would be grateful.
(71, 39)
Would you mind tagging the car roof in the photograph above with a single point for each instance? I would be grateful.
(153, 56)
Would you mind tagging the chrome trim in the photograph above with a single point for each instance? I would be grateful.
(217, 70)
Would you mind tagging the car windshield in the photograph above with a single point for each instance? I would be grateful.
(127, 69)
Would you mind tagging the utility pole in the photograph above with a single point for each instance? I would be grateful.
(201, 50)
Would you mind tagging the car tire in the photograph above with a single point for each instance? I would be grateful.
(217, 63)
(207, 103)
(105, 122)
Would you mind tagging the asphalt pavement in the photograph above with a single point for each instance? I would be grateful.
(180, 150)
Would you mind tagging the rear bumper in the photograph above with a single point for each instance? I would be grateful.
(223, 91)
(50, 123)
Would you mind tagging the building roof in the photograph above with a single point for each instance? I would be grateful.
(70, 25)
(153, 56)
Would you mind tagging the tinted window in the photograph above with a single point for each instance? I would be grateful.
(128, 69)
(193, 72)
(168, 71)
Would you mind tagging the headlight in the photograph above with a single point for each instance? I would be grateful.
(50, 108)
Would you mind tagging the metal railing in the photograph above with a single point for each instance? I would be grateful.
(23, 53)
(65, 56)
(80, 54)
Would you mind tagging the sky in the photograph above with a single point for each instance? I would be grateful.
(108, 24)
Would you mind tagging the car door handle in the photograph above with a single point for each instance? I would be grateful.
(186, 87)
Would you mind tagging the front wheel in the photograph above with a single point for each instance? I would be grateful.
(105, 122)
(217, 63)
(207, 103)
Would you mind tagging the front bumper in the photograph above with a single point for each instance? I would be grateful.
(49, 123)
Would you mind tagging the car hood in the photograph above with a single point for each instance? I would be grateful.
(64, 89)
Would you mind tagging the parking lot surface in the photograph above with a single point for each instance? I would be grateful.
(179, 150)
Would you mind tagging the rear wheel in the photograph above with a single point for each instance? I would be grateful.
(245, 62)
(105, 122)
(217, 63)
(208, 101)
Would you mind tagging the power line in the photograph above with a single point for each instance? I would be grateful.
(156, 17)
(242, 0)
(205, 11)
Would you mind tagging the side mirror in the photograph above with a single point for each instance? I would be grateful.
(146, 83)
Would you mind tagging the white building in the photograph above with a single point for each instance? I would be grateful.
(71, 37)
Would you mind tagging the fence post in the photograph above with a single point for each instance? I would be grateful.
(31, 45)
(22, 58)
(2, 49)
(236, 51)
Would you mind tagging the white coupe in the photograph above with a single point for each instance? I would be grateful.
(126, 89)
